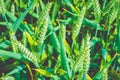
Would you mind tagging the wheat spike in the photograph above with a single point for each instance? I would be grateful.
(63, 31)
(88, 4)
(42, 32)
(44, 14)
(29, 55)
(113, 13)
(86, 53)
(104, 74)
(13, 9)
(108, 7)
(13, 41)
(79, 64)
(97, 10)
(80, 58)
(78, 23)
(24, 39)
(83, 60)
(2, 8)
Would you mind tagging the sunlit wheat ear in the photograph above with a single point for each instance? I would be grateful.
(97, 10)
(13, 9)
(29, 55)
(44, 14)
(13, 42)
(104, 74)
(78, 23)
(63, 31)
(113, 13)
(86, 52)
(42, 32)
(2, 8)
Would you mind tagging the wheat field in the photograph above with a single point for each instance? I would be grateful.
(59, 39)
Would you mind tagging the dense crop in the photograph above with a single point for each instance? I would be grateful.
(59, 39)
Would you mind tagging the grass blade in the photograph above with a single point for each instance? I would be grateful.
(9, 54)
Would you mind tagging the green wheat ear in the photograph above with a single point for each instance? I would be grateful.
(2, 8)
(78, 23)
(13, 41)
(42, 32)
(83, 59)
(80, 58)
(88, 4)
(13, 9)
(86, 52)
(24, 39)
(29, 55)
(104, 74)
(63, 31)
(108, 7)
(97, 10)
(44, 14)
(112, 16)
(113, 13)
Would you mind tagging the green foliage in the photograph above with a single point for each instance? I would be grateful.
(59, 40)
